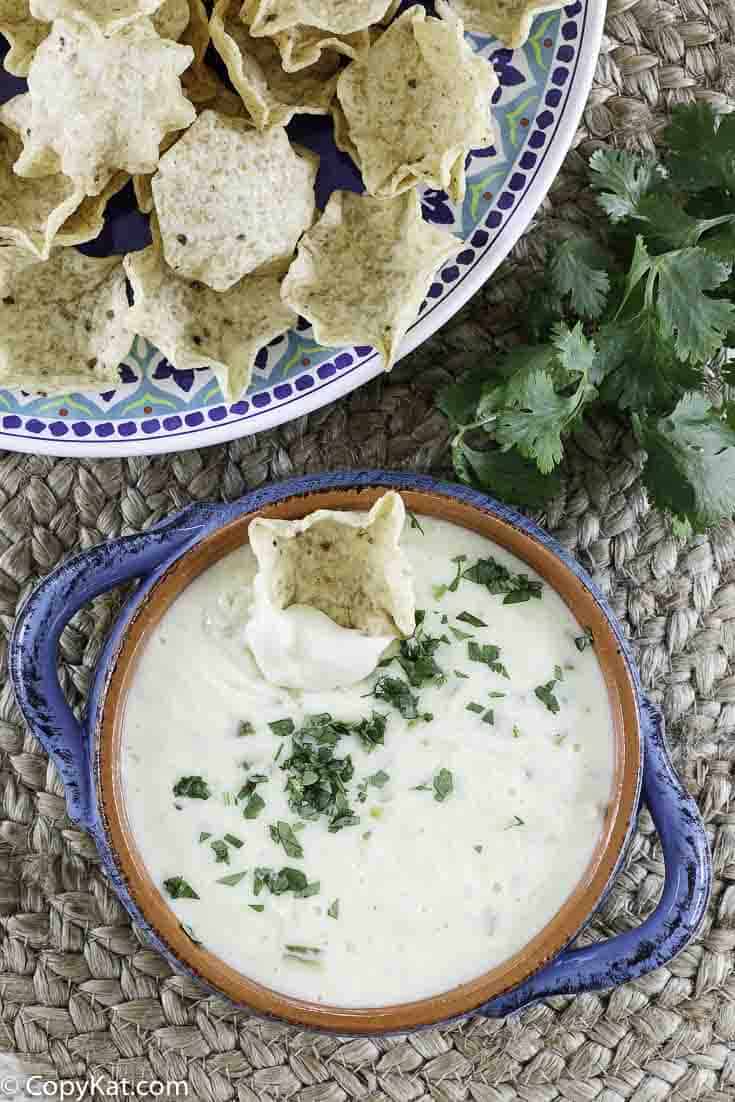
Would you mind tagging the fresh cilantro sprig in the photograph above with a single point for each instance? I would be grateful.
(636, 322)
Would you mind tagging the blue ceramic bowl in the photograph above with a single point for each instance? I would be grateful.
(166, 558)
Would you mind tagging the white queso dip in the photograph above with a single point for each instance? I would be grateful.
(383, 841)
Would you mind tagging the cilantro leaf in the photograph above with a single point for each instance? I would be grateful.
(691, 462)
(668, 226)
(698, 323)
(443, 785)
(702, 148)
(458, 401)
(623, 179)
(505, 474)
(178, 888)
(641, 366)
(282, 834)
(675, 288)
(536, 417)
(578, 268)
(196, 788)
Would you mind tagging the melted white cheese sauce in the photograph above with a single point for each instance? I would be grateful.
(431, 894)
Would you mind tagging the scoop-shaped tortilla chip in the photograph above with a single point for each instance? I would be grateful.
(348, 565)
(32, 211)
(271, 95)
(508, 20)
(109, 15)
(51, 210)
(230, 198)
(268, 17)
(62, 321)
(361, 273)
(23, 33)
(194, 326)
(416, 104)
(82, 114)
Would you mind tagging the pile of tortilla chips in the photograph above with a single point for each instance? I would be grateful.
(121, 89)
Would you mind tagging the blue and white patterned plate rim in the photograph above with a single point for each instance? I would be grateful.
(488, 244)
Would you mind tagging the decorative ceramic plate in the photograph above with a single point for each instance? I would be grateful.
(543, 89)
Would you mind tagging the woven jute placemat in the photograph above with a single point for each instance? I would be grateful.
(81, 995)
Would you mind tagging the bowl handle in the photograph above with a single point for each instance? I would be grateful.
(679, 912)
(34, 644)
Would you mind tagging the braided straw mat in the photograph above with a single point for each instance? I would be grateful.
(81, 994)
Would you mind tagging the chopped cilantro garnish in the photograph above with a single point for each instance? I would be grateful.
(371, 732)
(233, 840)
(451, 587)
(204, 835)
(517, 822)
(468, 618)
(285, 880)
(498, 579)
(282, 834)
(414, 521)
(415, 656)
(196, 788)
(250, 785)
(245, 728)
(282, 727)
(221, 852)
(545, 693)
(233, 879)
(317, 779)
(473, 706)
(333, 909)
(581, 642)
(489, 717)
(379, 779)
(395, 691)
(460, 635)
(487, 654)
(253, 807)
(178, 888)
(458, 673)
(442, 786)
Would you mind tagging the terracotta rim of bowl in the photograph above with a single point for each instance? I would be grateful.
(465, 997)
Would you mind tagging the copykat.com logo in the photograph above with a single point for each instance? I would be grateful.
(26, 1088)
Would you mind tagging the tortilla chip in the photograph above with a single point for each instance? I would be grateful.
(230, 198)
(271, 95)
(62, 322)
(348, 565)
(38, 213)
(269, 17)
(13, 260)
(108, 15)
(82, 116)
(196, 79)
(301, 47)
(508, 20)
(24, 35)
(88, 219)
(361, 273)
(194, 326)
(172, 19)
(416, 104)
(32, 211)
